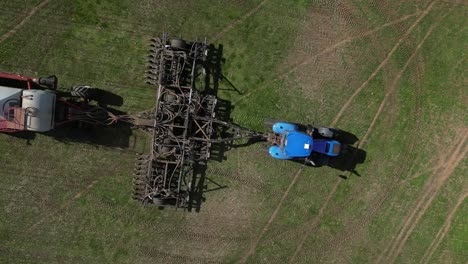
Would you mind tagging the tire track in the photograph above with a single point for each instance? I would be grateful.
(382, 64)
(348, 40)
(443, 230)
(238, 21)
(393, 88)
(333, 47)
(425, 200)
(272, 217)
(23, 21)
(63, 207)
(314, 222)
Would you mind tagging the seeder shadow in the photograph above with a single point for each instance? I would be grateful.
(223, 110)
(116, 135)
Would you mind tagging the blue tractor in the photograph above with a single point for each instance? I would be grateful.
(294, 141)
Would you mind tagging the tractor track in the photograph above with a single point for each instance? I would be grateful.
(382, 64)
(431, 189)
(194, 233)
(316, 221)
(443, 230)
(207, 233)
(393, 88)
(346, 41)
(245, 181)
(272, 218)
(150, 253)
(238, 21)
(63, 207)
(373, 211)
(331, 48)
(23, 21)
(337, 243)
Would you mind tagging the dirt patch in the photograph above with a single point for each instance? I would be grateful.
(23, 21)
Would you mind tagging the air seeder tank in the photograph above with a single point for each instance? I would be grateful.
(39, 107)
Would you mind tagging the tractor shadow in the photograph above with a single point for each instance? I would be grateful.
(350, 156)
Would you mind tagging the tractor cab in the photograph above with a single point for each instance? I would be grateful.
(290, 141)
(292, 145)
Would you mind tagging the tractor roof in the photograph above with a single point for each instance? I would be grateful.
(298, 144)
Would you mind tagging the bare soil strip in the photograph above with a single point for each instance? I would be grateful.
(23, 21)
(430, 191)
(238, 21)
(443, 230)
(272, 218)
(383, 63)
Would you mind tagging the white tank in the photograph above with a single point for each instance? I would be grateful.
(40, 108)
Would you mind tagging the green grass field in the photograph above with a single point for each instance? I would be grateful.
(390, 73)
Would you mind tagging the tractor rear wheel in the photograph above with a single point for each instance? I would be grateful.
(325, 132)
(84, 91)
